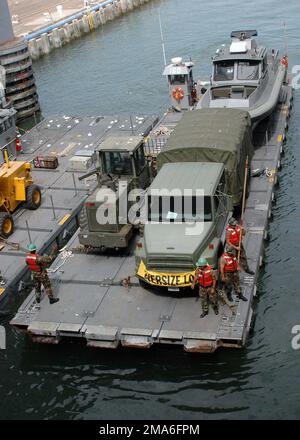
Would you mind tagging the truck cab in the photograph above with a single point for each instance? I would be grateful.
(187, 211)
(122, 167)
(123, 157)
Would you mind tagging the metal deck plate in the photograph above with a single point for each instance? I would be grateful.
(62, 136)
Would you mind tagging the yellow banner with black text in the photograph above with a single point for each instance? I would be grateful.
(165, 279)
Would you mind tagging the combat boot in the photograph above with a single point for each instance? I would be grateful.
(203, 314)
(216, 310)
(229, 296)
(53, 300)
(38, 300)
(242, 297)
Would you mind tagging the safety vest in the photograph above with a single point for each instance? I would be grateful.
(31, 262)
(204, 277)
(234, 235)
(231, 264)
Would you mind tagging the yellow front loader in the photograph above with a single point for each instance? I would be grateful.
(16, 188)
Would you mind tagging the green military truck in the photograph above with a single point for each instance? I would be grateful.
(122, 167)
(206, 152)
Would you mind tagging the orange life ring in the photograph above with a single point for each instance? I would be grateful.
(285, 61)
(178, 93)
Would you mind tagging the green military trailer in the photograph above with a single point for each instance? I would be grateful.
(213, 135)
(104, 217)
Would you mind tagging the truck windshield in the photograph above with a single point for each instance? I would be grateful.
(248, 70)
(117, 162)
(177, 209)
(224, 71)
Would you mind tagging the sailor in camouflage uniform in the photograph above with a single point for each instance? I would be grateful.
(205, 278)
(229, 271)
(234, 233)
(37, 265)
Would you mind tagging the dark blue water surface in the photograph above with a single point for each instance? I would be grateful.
(117, 69)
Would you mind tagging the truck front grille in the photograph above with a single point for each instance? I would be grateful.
(170, 262)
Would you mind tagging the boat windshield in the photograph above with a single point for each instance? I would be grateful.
(117, 163)
(177, 79)
(248, 70)
(224, 71)
(177, 209)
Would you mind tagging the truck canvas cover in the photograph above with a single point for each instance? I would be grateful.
(213, 135)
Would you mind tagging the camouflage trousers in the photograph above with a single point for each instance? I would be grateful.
(39, 279)
(224, 300)
(232, 280)
(208, 294)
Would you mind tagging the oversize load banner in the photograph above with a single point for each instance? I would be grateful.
(165, 279)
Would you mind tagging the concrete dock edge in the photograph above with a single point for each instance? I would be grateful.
(43, 42)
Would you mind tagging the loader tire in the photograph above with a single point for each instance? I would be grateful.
(33, 197)
(6, 224)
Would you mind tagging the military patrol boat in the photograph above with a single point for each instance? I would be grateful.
(245, 76)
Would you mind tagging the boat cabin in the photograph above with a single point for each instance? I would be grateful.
(239, 68)
(181, 83)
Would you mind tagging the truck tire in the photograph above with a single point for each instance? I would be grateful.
(144, 285)
(6, 224)
(83, 220)
(33, 197)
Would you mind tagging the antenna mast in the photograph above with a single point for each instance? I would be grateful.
(285, 38)
(162, 39)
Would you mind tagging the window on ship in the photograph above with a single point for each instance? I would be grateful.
(248, 70)
(177, 79)
(224, 71)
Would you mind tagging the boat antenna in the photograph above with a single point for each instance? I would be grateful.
(285, 38)
(162, 38)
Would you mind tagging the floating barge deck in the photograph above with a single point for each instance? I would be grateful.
(96, 308)
(56, 220)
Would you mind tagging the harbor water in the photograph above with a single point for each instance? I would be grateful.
(117, 70)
